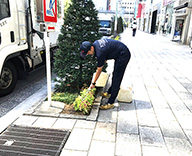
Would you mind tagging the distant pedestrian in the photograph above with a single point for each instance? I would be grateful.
(134, 28)
(165, 27)
(106, 49)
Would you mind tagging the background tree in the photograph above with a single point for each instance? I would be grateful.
(119, 25)
(80, 24)
(113, 25)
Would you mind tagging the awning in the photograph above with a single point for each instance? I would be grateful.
(181, 6)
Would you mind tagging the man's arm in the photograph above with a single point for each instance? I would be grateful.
(97, 74)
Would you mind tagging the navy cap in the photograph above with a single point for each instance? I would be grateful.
(85, 47)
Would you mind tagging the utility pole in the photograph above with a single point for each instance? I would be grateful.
(115, 27)
(62, 9)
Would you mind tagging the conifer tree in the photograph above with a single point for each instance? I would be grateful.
(119, 25)
(80, 24)
(113, 25)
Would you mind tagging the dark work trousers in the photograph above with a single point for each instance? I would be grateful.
(118, 72)
(134, 32)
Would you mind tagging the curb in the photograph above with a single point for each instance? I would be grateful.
(55, 110)
(15, 113)
(44, 110)
(28, 107)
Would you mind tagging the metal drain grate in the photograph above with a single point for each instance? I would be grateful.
(30, 141)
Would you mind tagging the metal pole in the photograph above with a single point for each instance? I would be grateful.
(115, 28)
(48, 67)
(62, 9)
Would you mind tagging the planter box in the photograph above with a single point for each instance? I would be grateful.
(43, 108)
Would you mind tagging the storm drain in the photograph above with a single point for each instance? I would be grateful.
(26, 141)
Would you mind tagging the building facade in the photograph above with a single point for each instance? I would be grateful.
(126, 9)
(171, 18)
(182, 21)
(101, 5)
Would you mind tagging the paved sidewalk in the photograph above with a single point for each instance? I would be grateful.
(157, 122)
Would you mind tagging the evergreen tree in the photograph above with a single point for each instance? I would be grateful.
(80, 24)
(119, 25)
(113, 25)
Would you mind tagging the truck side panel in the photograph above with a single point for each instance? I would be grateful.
(10, 33)
(22, 46)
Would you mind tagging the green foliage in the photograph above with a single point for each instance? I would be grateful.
(113, 26)
(119, 25)
(80, 24)
(66, 5)
(85, 101)
(66, 97)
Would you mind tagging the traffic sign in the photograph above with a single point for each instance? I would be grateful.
(50, 10)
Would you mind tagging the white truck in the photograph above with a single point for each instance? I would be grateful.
(105, 20)
(22, 45)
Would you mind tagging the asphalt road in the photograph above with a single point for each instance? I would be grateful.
(24, 88)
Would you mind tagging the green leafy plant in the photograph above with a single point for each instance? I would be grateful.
(65, 97)
(85, 101)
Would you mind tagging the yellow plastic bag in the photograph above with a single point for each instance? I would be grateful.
(125, 95)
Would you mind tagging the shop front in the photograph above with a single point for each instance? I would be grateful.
(178, 29)
(181, 24)
(155, 18)
(166, 23)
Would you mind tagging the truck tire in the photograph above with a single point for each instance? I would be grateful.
(8, 79)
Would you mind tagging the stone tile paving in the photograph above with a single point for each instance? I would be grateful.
(79, 139)
(157, 122)
(128, 144)
(161, 82)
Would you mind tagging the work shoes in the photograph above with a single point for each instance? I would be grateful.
(108, 106)
(105, 95)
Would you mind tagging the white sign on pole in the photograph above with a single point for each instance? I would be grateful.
(50, 15)
(50, 11)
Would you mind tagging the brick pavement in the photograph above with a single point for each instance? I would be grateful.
(157, 122)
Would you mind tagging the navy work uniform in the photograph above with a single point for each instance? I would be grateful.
(106, 49)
